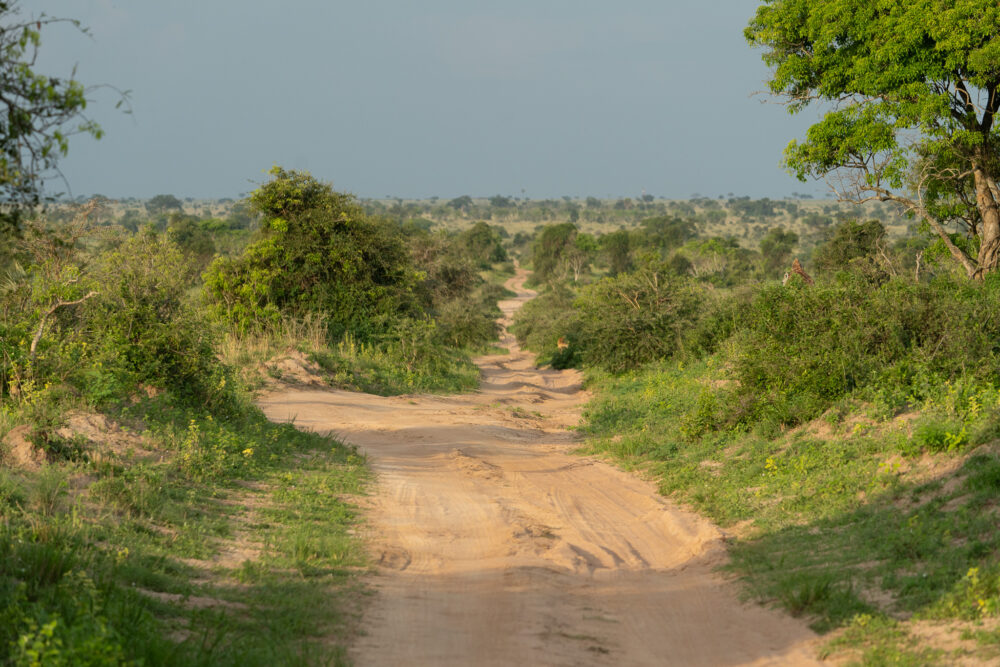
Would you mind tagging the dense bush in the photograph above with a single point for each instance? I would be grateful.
(798, 349)
(541, 322)
(468, 323)
(721, 262)
(141, 327)
(127, 322)
(634, 318)
(482, 244)
(318, 252)
(617, 323)
(549, 250)
(849, 242)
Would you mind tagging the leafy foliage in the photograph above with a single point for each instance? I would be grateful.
(915, 91)
(851, 241)
(36, 112)
(776, 247)
(141, 328)
(798, 349)
(317, 253)
(549, 250)
(634, 318)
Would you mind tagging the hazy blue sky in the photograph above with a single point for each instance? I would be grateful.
(413, 99)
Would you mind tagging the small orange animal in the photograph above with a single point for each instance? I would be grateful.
(562, 343)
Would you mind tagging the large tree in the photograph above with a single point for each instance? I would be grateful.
(38, 114)
(911, 90)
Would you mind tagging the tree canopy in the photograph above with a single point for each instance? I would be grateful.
(912, 91)
(316, 252)
(164, 203)
(38, 114)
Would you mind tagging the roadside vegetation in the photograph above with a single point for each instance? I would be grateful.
(844, 433)
(838, 417)
(149, 513)
(842, 424)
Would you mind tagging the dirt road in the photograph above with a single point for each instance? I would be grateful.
(496, 546)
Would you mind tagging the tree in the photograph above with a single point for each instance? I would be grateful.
(851, 241)
(666, 232)
(582, 253)
(163, 203)
(483, 245)
(193, 239)
(617, 247)
(776, 247)
(462, 203)
(38, 115)
(915, 89)
(499, 201)
(548, 252)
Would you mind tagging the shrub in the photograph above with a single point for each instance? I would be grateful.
(798, 349)
(635, 318)
(549, 250)
(541, 322)
(467, 323)
(317, 253)
(142, 330)
(851, 241)
(483, 245)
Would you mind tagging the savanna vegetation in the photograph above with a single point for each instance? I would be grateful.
(841, 426)
(149, 513)
(842, 432)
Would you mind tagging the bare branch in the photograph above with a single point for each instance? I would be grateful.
(41, 324)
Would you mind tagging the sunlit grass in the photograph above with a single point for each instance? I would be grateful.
(849, 517)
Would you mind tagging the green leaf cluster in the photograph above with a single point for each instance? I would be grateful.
(317, 252)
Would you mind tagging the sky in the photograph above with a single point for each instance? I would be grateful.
(535, 98)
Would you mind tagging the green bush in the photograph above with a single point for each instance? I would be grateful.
(541, 322)
(468, 323)
(142, 328)
(798, 349)
(482, 244)
(852, 243)
(635, 318)
(318, 252)
(131, 323)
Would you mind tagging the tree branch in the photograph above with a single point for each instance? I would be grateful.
(41, 325)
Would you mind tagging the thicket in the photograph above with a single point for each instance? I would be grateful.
(867, 327)
(395, 300)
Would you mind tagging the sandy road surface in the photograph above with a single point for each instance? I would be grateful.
(497, 547)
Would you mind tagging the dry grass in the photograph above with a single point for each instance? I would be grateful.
(249, 352)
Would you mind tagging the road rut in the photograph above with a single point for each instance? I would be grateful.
(496, 546)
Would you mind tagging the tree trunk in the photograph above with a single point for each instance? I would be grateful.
(989, 233)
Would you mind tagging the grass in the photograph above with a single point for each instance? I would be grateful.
(856, 515)
(228, 542)
(391, 369)
(394, 370)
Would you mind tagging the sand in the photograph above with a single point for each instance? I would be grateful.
(495, 545)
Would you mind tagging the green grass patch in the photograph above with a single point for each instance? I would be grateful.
(850, 516)
(230, 545)
(397, 368)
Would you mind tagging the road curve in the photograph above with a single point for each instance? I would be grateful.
(496, 546)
